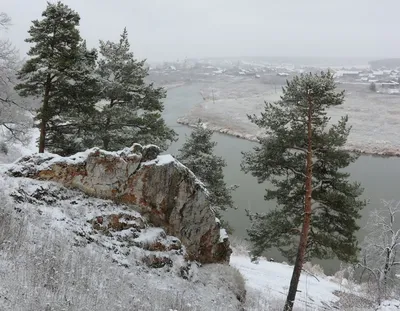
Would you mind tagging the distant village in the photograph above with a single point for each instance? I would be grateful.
(378, 77)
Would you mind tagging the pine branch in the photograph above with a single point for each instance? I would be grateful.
(294, 171)
(300, 149)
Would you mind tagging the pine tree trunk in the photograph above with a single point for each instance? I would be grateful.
(42, 137)
(307, 218)
(106, 138)
(44, 115)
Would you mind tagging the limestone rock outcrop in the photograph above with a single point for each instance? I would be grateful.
(157, 186)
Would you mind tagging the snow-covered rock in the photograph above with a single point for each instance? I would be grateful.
(63, 250)
(157, 186)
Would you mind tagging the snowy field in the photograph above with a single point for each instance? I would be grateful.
(374, 117)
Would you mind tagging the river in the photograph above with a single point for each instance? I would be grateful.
(379, 176)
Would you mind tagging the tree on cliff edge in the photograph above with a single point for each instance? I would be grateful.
(58, 71)
(302, 157)
(130, 109)
(197, 154)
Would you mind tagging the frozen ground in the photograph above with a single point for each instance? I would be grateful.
(374, 117)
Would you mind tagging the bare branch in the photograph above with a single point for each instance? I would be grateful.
(5, 20)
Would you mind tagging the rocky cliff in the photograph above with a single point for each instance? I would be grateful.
(157, 186)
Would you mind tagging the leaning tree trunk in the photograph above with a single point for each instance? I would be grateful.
(307, 217)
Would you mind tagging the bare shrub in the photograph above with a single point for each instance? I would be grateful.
(239, 246)
(315, 270)
(227, 276)
(379, 255)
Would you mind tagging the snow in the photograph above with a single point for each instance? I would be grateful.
(149, 235)
(51, 208)
(161, 160)
(389, 305)
(94, 270)
(222, 235)
(272, 279)
(19, 149)
(374, 117)
(165, 159)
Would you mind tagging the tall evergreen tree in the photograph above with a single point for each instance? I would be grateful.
(55, 71)
(79, 92)
(130, 109)
(197, 153)
(302, 156)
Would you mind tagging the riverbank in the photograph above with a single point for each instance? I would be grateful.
(374, 118)
(253, 138)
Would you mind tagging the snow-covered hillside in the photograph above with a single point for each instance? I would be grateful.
(61, 250)
(80, 253)
(271, 279)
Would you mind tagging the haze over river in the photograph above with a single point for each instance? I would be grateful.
(379, 176)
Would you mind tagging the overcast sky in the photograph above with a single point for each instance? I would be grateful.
(172, 29)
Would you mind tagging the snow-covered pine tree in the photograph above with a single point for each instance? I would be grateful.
(54, 67)
(302, 156)
(130, 109)
(197, 153)
(69, 131)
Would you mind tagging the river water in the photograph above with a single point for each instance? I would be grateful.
(379, 176)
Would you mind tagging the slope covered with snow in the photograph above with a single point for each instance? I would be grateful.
(269, 281)
(63, 250)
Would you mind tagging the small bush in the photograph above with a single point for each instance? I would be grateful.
(225, 276)
(315, 270)
(239, 246)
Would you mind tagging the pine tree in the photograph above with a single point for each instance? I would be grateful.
(130, 109)
(302, 156)
(67, 132)
(54, 71)
(197, 153)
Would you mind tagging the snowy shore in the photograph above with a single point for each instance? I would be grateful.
(374, 117)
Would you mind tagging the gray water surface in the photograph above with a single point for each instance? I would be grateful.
(378, 176)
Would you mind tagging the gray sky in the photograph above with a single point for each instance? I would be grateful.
(172, 29)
